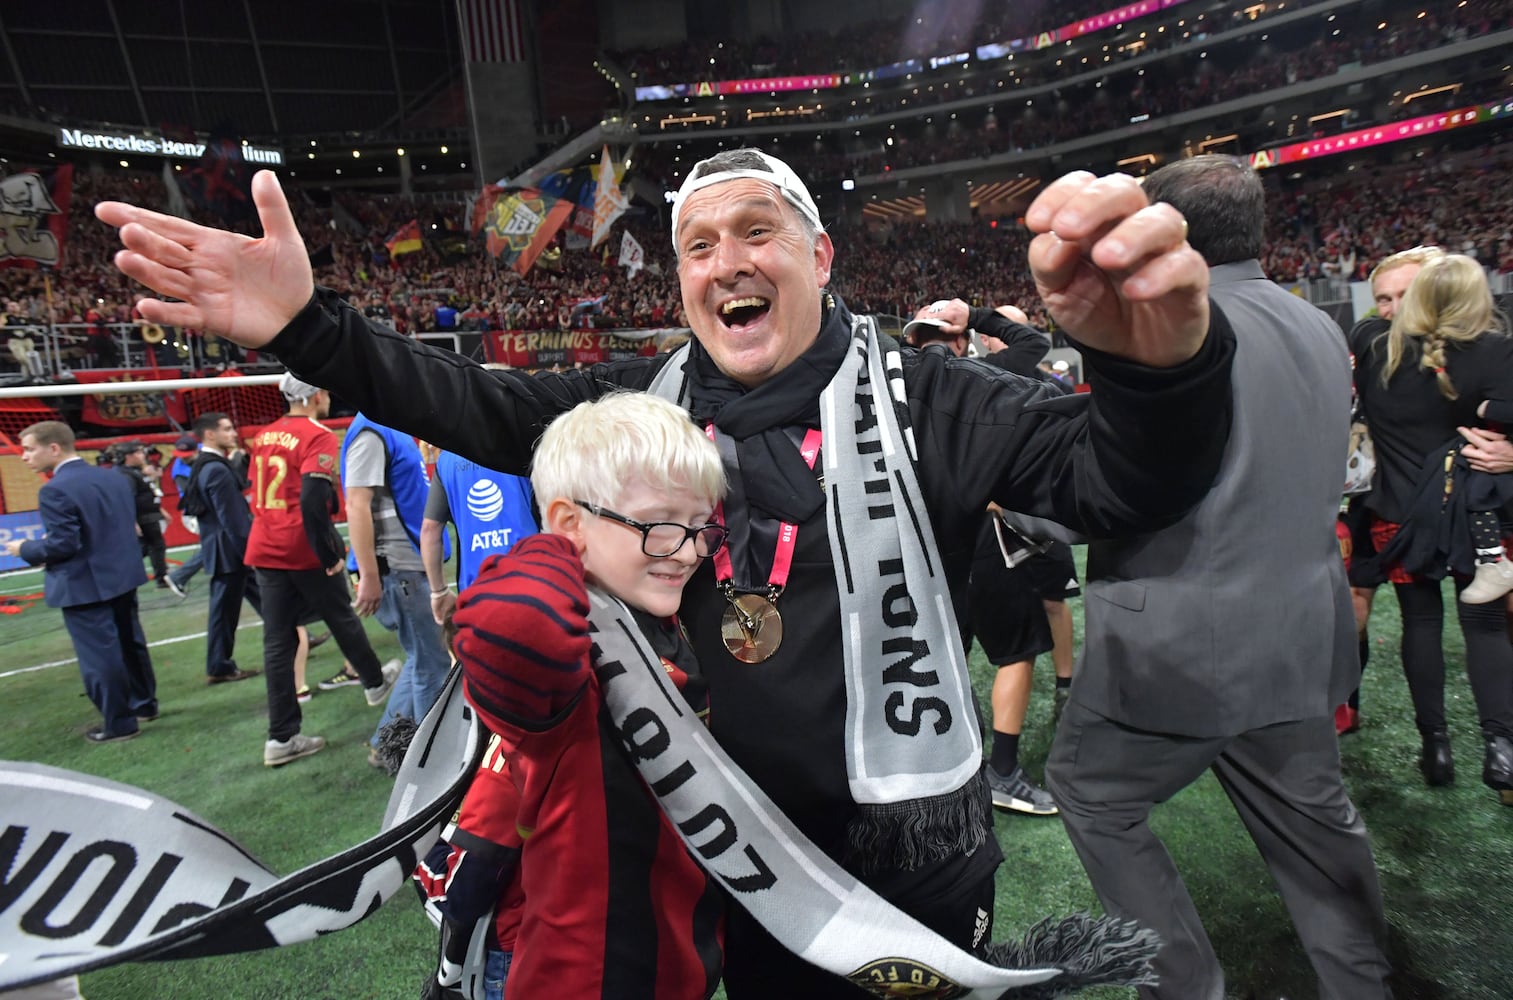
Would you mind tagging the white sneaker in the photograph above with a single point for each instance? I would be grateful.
(376, 695)
(1492, 581)
(277, 753)
(178, 591)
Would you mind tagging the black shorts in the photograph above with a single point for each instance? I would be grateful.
(1053, 573)
(1004, 606)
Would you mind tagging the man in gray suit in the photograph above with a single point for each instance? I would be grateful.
(1226, 640)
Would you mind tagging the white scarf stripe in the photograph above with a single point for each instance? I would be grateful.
(854, 694)
(809, 903)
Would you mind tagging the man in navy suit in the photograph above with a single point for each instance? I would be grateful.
(94, 567)
(214, 495)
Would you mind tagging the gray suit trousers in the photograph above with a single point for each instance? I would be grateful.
(1284, 781)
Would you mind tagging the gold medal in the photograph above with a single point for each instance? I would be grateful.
(752, 627)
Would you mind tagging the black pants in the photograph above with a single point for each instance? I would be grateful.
(226, 593)
(1489, 657)
(287, 594)
(153, 546)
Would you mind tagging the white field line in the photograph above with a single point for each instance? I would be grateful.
(151, 645)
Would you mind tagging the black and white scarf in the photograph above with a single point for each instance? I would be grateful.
(913, 746)
(807, 901)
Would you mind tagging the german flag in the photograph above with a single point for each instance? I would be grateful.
(406, 239)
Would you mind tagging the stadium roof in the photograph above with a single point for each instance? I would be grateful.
(270, 69)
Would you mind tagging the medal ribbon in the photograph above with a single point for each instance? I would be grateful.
(788, 532)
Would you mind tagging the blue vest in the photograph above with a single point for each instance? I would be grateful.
(179, 472)
(492, 511)
(406, 480)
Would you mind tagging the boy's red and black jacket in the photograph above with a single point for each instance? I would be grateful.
(615, 905)
(522, 635)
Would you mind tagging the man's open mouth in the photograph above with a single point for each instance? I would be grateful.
(742, 312)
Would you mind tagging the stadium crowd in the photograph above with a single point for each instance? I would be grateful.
(1297, 51)
(1339, 226)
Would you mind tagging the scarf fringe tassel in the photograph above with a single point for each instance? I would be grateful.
(904, 836)
(1091, 951)
(394, 741)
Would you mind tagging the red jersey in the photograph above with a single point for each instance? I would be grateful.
(283, 453)
(615, 906)
(479, 865)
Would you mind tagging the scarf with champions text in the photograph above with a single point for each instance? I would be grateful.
(805, 900)
(916, 777)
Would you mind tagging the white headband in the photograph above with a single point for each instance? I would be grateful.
(779, 175)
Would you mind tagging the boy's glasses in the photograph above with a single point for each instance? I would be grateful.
(661, 539)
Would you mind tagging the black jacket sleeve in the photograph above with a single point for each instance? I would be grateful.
(1024, 346)
(492, 417)
(317, 502)
(1132, 455)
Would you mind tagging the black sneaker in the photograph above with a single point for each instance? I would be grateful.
(1017, 793)
(341, 680)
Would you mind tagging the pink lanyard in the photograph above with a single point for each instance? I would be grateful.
(788, 532)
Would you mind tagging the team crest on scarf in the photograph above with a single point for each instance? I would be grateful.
(902, 977)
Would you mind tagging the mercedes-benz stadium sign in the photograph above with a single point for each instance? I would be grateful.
(145, 144)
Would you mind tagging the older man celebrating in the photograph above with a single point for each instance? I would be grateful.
(858, 477)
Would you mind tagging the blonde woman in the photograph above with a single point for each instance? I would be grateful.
(1445, 361)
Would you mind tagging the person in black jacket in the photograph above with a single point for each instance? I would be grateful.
(1009, 608)
(133, 460)
(214, 492)
(769, 339)
(1402, 379)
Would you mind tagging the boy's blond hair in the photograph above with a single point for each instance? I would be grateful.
(592, 450)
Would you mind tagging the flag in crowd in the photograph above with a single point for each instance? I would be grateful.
(406, 239)
(493, 30)
(34, 216)
(576, 185)
(221, 183)
(632, 257)
(176, 203)
(518, 223)
(609, 201)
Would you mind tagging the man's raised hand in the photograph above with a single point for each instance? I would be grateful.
(237, 287)
(1116, 272)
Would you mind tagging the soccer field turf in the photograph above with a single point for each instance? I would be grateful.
(1445, 855)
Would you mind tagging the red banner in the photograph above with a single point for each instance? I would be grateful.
(127, 409)
(567, 348)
